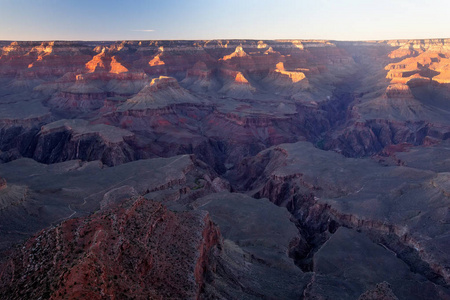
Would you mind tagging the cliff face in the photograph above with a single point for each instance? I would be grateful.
(77, 139)
(315, 84)
(405, 102)
(94, 80)
(139, 248)
(325, 191)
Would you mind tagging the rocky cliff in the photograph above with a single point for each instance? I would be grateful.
(390, 204)
(139, 250)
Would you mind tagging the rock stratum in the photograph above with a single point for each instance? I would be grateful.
(240, 169)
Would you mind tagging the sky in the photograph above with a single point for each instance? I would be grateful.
(223, 19)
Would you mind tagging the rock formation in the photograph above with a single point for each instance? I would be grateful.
(159, 93)
(138, 249)
(77, 139)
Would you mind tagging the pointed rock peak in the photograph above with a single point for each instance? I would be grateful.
(238, 52)
(117, 67)
(239, 49)
(280, 66)
(262, 45)
(100, 49)
(96, 62)
(240, 78)
(270, 50)
(161, 92)
(156, 61)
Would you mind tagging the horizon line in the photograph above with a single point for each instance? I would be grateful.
(227, 39)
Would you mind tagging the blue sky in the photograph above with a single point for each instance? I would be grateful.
(227, 19)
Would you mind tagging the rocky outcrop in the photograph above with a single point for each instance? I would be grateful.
(398, 90)
(236, 85)
(103, 62)
(77, 139)
(239, 53)
(258, 256)
(40, 195)
(139, 248)
(161, 92)
(370, 137)
(286, 82)
(426, 62)
(399, 111)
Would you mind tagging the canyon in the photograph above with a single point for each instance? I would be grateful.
(240, 169)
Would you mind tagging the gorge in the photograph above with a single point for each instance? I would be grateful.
(225, 169)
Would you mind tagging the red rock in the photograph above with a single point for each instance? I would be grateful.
(139, 249)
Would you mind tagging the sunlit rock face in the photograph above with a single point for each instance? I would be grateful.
(225, 169)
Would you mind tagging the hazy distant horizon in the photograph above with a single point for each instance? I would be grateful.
(231, 39)
(345, 20)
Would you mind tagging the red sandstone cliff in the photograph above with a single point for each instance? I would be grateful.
(138, 250)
